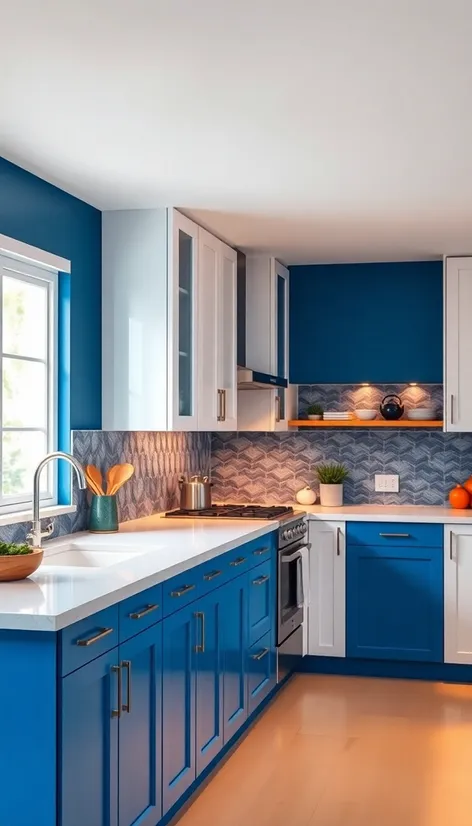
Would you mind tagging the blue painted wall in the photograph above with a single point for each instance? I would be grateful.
(378, 323)
(40, 214)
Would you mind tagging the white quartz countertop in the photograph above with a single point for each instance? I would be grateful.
(156, 549)
(55, 597)
(390, 513)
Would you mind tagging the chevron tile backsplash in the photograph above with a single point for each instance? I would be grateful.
(158, 459)
(271, 467)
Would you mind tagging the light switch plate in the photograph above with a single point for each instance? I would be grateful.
(387, 483)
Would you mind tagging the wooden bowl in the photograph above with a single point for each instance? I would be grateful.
(13, 568)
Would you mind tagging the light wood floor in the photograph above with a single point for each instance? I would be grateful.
(337, 751)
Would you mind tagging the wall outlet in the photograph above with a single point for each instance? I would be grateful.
(387, 483)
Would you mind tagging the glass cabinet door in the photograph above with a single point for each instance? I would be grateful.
(182, 316)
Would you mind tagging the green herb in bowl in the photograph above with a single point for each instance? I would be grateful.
(13, 549)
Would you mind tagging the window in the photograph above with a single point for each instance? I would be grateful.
(28, 400)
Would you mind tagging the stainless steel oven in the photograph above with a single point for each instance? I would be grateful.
(292, 565)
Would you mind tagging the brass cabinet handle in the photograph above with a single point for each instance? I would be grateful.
(395, 535)
(212, 575)
(181, 591)
(238, 561)
(96, 638)
(260, 580)
(116, 712)
(127, 706)
(147, 610)
(261, 654)
(338, 545)
(200, 647)
(261, 551)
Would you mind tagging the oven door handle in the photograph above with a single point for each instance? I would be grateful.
(291, 557)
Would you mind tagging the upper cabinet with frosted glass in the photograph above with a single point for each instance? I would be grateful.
(169, 322)
(267, 345)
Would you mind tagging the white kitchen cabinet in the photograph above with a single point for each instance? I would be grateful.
(327, 599)
(216, 388)
(267, 345)
(169, 324)
(458, 594)
(458, 344)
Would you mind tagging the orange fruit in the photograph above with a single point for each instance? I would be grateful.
(468, 485)
(459, 498)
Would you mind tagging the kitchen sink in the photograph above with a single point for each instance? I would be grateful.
(74, 558)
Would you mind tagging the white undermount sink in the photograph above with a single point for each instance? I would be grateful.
(75, 558)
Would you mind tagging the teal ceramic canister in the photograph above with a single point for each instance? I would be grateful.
(103, 514)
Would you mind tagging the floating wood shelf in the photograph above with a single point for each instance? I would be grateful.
(362, 423)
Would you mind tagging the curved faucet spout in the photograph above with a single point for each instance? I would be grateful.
(36, 535)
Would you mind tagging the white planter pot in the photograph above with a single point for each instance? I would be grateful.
(331, 496)
(315, 417)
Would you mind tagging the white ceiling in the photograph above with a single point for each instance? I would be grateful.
(319, 130)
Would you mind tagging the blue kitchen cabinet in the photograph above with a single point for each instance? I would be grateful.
(209, 677)
(140, 738)
(261, 600)
(394, 601)
(261, 670)
(235, 631)
(89, 738)
(178, 702)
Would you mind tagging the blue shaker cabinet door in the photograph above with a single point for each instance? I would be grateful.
(262, 607)
(261, 667)
(208, 615)
(395, 598)
(235, 645)
(178, 702)
(140, 739)
(89, 744)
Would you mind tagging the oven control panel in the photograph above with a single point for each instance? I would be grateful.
(291, 532)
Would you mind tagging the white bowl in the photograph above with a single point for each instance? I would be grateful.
(422, 414)
(365, 415)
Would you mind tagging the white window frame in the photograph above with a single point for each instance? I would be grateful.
(17, 266)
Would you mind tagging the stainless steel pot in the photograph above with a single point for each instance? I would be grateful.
(195, 494)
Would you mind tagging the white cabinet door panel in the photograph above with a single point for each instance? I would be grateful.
(209, 255)
(227, 337)
(458, 594)
(458, 345)
(327, 606)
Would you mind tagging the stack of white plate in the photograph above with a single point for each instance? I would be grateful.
(425, 414)
(337, 416)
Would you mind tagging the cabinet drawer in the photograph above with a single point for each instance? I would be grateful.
(140, 612)
(260, 550)
(181, 590)
(395, 533)
(214, 573)
(261, 671)
(89, 638)
(261, 600)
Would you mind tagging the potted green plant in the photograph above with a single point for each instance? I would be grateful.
(18, 561)
(315, 412)
(331, 476)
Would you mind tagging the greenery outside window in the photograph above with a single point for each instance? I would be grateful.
(28, 399)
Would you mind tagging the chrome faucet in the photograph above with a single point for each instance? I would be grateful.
(36, 534)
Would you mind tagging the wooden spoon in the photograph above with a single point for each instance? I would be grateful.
(94, 480)
(117, 476)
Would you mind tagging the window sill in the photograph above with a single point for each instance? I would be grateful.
(27, 516)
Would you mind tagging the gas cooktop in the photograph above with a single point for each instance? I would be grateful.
(236, 512)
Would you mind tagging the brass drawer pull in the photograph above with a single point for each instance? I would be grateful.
(261, 551)
(238, 561)
(395, 535)
(96, 638)
(116, 712)
(212, 575)
(261, 654)
(260, 580)
(127, 706)
(181, 591)
(147, 610)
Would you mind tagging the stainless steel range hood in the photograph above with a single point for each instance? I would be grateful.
(254, 380)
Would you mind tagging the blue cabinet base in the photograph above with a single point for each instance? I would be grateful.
(390, 669)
